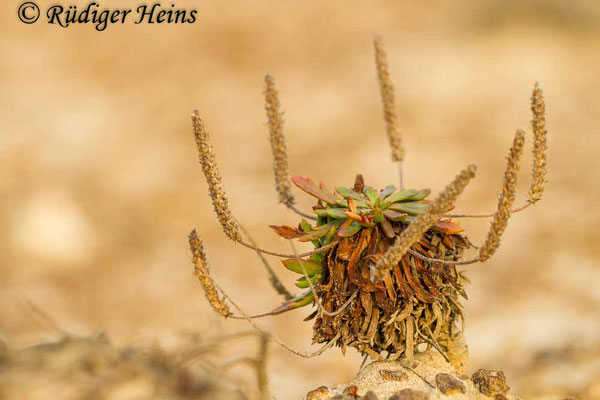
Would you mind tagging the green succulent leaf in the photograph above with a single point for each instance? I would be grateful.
(337, 213)
(345, 192)
(321, 212)
(316, 233)
(318, 191)
(302, 283)
(347, 230)
(334, 225)
(421, 195)
(410, 208)
(306, 227)
(300, 301)
(293, 264)
(317, 257)
(359, 203)
(371, 194)
(385, 192)
(400, 196)
(377, 216)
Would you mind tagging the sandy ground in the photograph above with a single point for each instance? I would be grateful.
(101, 184)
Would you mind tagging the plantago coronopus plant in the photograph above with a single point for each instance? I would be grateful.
(384, 274)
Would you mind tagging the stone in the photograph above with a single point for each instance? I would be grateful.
(448, 385)
(370, 395)
(351, 390)
(320, 393)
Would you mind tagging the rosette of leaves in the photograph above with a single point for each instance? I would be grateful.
(416, 303)
(383, 272)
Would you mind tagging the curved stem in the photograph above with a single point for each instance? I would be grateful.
(438, 261)
(275, 282)
(274, 338)
(486, 215)
(283, 255)
(400, 176)
(301, 213)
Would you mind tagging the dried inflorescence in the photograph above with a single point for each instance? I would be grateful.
(213, 178)
(505, 200)
(538, 124)
(280, 164)
(202, 273)
(383, 273)
(388, 101)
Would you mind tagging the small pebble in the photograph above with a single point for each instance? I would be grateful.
(370, 395)
(320, 393)
(447, 384)
(490, 382)
(351, 390)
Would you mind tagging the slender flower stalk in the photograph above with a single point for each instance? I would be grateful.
(389, 105)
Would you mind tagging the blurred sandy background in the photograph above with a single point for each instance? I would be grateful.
(100, 182)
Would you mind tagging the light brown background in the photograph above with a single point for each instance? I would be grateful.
(100, 182)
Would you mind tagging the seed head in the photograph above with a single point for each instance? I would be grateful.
(505, 200)
(277, 139)
(213, 178)
(388, 100)
(423, 222)
(538, 123)
(202, 273)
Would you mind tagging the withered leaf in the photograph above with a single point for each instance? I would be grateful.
(373, 325)
(405, 291)
(427, 278)
(447, 226)
(418, 290)
(286, 232)
(387, 228)
(383, 301)
(361, 245)
(344, 250)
